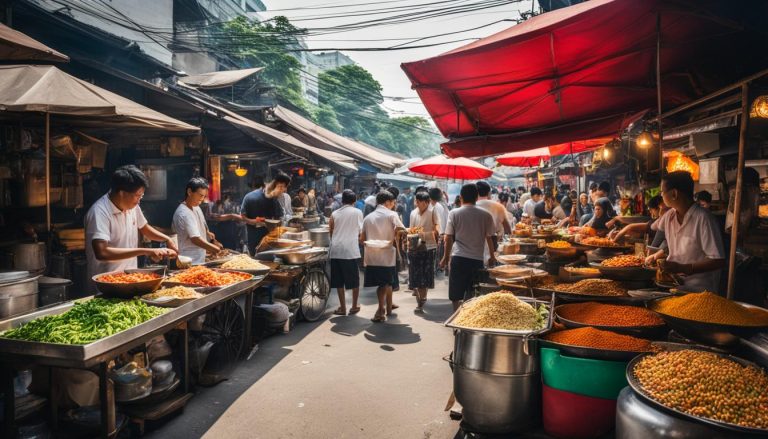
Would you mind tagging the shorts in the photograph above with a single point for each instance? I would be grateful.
(344, 273)
(421, 269)
(380, 276)
(462, 277)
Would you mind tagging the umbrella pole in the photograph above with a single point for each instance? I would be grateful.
(739, 188)
(48, 171)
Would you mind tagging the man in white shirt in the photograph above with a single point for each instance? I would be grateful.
(436, 198)
(189, 223)
(113, 224)
(471, 229)
(695, 246)
(383, 224)
(345, 227)
(421, 261)
(497, 211)
(529, 208)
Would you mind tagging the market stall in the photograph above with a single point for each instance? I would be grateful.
(29, 340)
(598, 328)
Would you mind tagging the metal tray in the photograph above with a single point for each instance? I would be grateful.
(129, 290)
(548, 303)
(626, 273)
(587, 352)
(87, 355)
(220, 270)
(303, 256)
(655, 332)
(174, 302)
(710, 333)
(638, 389)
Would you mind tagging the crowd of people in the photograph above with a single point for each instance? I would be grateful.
(417, 231)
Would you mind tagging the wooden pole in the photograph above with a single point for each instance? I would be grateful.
(658, 94)
(48, 172)
(739, 186)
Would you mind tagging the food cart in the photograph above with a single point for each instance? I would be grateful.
(16, 354)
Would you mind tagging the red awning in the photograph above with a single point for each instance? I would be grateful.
(578, 72)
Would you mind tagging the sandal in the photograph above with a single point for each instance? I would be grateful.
(339, 312)
(354, 310)
(378, 318)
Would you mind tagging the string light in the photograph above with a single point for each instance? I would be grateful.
(644, 140)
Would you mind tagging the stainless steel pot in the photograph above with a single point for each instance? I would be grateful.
(494, 353)
(637, 419)
(18, 297)
(29, 256)
(497, 403)
(310, 222)
(320, 237)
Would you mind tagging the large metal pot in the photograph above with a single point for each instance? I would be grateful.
(310, 222)
(497, 403)
(320, 237)
(494, 353)
(29, 256)
(637, 419)
(18, 297)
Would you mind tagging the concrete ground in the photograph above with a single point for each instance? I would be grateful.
(341, 377)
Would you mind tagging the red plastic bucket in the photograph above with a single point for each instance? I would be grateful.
(572, 416)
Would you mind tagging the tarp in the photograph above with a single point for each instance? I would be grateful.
(47, 89)
(312, 133)
(283, 141)
(16, 46)
(533, 157)
(578, 72)
(221, 79)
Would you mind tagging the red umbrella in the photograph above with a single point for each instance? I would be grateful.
(533, 157)
(458, 169)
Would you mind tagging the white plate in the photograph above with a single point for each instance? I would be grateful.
(511, 259)
(378, 243)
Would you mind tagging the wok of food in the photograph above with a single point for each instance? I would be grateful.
(623, 261)
(128, 278)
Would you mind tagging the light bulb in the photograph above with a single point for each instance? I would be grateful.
(644, 140)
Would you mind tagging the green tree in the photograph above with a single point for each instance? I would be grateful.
(355, 96)
(266, 45)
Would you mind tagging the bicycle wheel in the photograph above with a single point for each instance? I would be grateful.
(225, 327)
(315, 290)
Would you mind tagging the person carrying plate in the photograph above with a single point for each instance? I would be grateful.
(383, 224)
(114, 222)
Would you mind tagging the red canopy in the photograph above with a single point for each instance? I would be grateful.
(580, 72)
(532, 157)
(458, 169)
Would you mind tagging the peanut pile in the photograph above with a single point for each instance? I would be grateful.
(706, 385)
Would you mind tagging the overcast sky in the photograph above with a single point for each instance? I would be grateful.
(385, 65)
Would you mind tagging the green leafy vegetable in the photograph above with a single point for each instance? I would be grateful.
(86, 322)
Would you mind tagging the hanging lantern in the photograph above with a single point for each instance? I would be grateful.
(680, 162)
(760, 107)
(644, 140)
(241, 172)
(301, 172)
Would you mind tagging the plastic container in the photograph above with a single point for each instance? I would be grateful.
(572, 416)
(594, 378)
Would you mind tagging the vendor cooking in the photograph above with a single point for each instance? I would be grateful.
(263, 204)
(693, 236)
(189, 223)
(113, 223)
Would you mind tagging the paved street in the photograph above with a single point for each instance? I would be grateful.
(342, 377)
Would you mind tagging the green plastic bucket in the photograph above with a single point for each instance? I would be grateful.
(583, 376)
